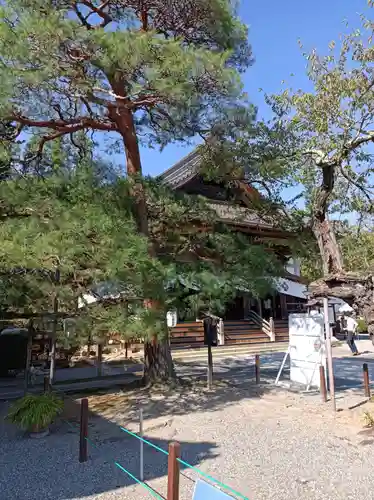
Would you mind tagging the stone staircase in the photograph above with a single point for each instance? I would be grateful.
(228, 351)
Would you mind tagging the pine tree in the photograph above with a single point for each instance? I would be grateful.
(82, 225)
(155, 70)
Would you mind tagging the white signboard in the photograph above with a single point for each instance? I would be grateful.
(307, 348)
(205, 491)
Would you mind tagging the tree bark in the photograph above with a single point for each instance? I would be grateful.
(329, 249)
(124, 119)
(355, 289)
(330, 252)
(158, 363)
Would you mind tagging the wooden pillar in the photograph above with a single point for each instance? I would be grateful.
(365, 369)
(28, 357)
(283, 304)
(210, 366)
(257, 368)
(272, 329)
(329, 353)
(46, 384)
(83, 434)
(173, 471)
(99, 360)
(322, 379)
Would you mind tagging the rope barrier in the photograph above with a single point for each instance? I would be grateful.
(153, 493)
(186, 464)
(148, 488)
(161, 450)
(145, 441)
(207, 476)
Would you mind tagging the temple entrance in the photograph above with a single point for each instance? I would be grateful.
(235, 310)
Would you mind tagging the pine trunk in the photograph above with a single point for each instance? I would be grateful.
(158, 361)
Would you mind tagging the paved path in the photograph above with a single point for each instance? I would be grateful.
(348, 371)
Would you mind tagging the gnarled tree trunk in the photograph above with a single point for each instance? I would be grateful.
(330, 253)
(355, 289)
(158, 363)
(332, 261)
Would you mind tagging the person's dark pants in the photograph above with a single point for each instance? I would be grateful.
(351, 343)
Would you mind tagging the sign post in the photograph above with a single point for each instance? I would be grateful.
(330, 366)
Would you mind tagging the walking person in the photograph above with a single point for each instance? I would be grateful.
(267, 308)
(350, 326)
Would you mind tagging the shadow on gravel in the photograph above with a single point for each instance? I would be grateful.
(49, 468)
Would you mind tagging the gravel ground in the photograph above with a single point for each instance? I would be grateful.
(264, 442)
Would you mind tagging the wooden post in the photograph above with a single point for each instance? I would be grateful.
(99, 359)
(210, 365)
(46, 384)
(366, 380)
(322, 379)
(141, 474)
(329, 353)
(257, 368)
(173, 471)
(28, 357)
(272, 329)
(83, 434)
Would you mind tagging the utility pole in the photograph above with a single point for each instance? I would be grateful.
(330, 366)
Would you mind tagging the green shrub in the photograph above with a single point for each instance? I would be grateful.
(369, 419)
(35, 412)
(362, 326)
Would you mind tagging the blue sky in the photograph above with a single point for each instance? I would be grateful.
(274, 29)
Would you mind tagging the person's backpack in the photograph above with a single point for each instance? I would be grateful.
(341, 329)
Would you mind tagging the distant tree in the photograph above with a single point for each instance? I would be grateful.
(357, 247)
(324, 139)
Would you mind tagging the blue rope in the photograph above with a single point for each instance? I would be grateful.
(186, 464)
(153, 493)
(222, 485)
(145, 441)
